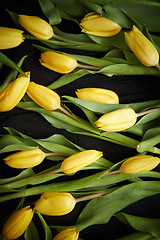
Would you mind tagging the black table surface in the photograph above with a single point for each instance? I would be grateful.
(129, 88)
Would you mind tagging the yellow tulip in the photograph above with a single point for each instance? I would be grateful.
(139, 163)
(17, 223)
(98, 95)
(58, 62)
(14, 92)
(144, 50)
(25, 159)
(95, 24)
(36, 26)
(117, 120)
(55, 203)
(43, 96)
(10, 37)
(67, 234)
(79, 160)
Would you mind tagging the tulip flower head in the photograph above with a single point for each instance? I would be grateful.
(25, 158)
(10, 37)
(11, 95)
(144, 50)
(58, 62)
(36, 26)
(94, 24)
(43, 96)
(55, 203)
(117, 120)
(98, 95)
(77, 161)
(17, 223)
(139, 163)
(67, 234)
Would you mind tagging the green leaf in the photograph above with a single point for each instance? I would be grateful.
(12, 75)
(48, 233)
(68, 78)
(31, 232)
(94, 212)
(14, 17)
(5, 60)
(137, 236)
(50, 11)
(117, 16)
(142, 224)
(24, 174)
(150, 139)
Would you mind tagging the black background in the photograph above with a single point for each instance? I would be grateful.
(129, 88)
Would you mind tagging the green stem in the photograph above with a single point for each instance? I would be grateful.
(157, 66)
(67, 40)
(146, 112)
(88, 67)
(91, 196)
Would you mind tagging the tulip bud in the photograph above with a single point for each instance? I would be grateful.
(10, 37)
(17, 223)
(139, 163)
(58, 62)
(43, 96)
(98, 95)
(79, 160)
(117, 120)
(67, 234)
(25, 159)
(55, 203)
(144, 50)
(11, 95)
(36, 26)
(95, 24)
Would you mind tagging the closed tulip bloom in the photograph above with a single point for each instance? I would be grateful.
(36, 26)
(58, 62)
(139, 163)
(77, 161)
(67, 234)
(98, 95)
(55, 203)
(14, 92)
(144, 50)
(25, 159)
(117, 120)
(43, 96)
(17, 223)
(10, 37)
(95, 24)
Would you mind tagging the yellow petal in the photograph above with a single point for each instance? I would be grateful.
(139, 163)
(14, 92)
(17, 223)
(95, 24)
(79, 160)
(67, 234)
(25, 159)
(58, 62)
(55, 203)
(144, 50)
(98, 95)
(117, 120)
(43, 96)
(36, 26)
(10, 37)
